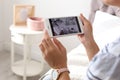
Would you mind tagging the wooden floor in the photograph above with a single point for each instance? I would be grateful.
(5, 69)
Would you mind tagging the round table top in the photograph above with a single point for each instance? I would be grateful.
(23, 30)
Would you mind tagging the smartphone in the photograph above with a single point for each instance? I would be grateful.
(63, 26)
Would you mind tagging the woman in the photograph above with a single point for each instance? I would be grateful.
(104, 64)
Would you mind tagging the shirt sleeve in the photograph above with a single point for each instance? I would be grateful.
(106, 64)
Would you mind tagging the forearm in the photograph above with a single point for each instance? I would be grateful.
(64, 76)
(91, 48)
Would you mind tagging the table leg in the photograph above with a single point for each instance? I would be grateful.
(25, 57)
(12, 53)
(29, 53)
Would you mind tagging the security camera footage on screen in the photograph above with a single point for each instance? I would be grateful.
(67, 25)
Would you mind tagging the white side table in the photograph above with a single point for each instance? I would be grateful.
(25, 67)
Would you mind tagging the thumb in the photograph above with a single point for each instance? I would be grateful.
(46, 35)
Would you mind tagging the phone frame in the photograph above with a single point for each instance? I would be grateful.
(49, 29)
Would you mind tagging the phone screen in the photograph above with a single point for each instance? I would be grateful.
(64, 25)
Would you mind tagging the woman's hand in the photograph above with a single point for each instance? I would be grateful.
(53, 52)
(87, 28)
(87, 38)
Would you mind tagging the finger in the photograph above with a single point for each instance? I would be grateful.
(47, 39)
(46, 35)
(57, 43)
(42, 49)
(45, 44)
(80, 35)
(83, 18)
(49, 42)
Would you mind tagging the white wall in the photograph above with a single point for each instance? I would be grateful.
(53, 8)
(44, 8)
(1, 25)
(6, 21)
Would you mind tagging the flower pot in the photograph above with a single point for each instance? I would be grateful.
(35, 23)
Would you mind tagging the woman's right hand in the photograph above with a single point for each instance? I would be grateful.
(53, 52)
